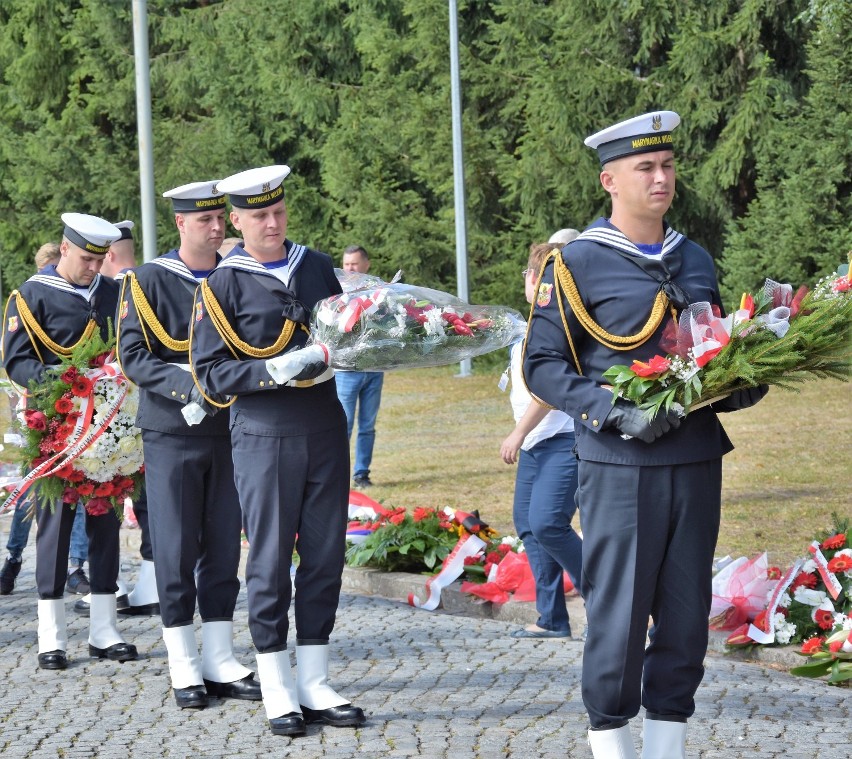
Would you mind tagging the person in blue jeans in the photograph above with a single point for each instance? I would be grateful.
(542, 445)
(19, 533)
(360, 390)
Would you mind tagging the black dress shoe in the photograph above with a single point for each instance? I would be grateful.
(8, 574)
(52, 660)
(290, 724)
(193, 697)
(248, 689)
(344, 715)
(115, 652)
(82, 606)
(143, 610)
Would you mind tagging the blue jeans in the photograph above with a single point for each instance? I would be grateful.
(365, 390)
(19, 534)
(544, 506)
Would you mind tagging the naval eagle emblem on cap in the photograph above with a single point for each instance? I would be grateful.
(647, 133)
(256, 188)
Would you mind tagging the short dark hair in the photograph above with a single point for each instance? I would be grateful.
(356, 249)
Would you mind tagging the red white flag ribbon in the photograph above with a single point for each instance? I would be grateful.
(828, 577)
(453, 566)
(755, 633)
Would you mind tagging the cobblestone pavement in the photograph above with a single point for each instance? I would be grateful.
(434, 685)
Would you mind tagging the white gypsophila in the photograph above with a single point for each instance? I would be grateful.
(809, 597)
(846, 622)
(511, 540)
(434, 323)
(809, 566)
(784, 630)
(784, 600)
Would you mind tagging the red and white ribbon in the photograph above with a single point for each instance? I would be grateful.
(453, 566)
(832, 584)
(755, 633)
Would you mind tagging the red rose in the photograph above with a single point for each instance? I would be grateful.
(70, 495)
(69, 375)
(834, 542)
(35, 420)
(840, 563)
(422, 512)
(63, 405)
(85, 488)
(82, 386)
(653, 369)
(494, 557)
(98, 506)
(504, 548)
(804, 580)
(824, 619)
(99, 360)
(812, 645)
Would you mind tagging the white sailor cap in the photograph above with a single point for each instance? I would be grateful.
(647, 133)
(126, 228)
(196, 197)
(563, 236)
(256, 188)
(91, 233)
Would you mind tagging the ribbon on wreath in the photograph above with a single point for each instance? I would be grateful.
(832, 584)
(453, 566)
(768, 636)
(83, 436)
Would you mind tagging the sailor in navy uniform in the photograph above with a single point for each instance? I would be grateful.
(291, 455)
(649, 490)
(50, 313)
(195, 512)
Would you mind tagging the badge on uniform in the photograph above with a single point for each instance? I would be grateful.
(13, 324)
(199, 311)
(545, 292)
(123, 309)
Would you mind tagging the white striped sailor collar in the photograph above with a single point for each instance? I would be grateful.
(238, 258)
(173, 263)
(49, 276)
(604, 233)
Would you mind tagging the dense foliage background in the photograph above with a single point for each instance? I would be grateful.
(355, 97)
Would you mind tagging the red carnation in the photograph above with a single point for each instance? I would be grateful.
(63, 405)
(494, 557)
(422, 512)
(398, 518)
(812, 645)
(840, 563)
(804, 580)
(35, 420)
(469, 560)
(85, 488)
(69, 375)
(773, 573)
(834, 542)
(82, 386)
(98, 506)
(824, 619)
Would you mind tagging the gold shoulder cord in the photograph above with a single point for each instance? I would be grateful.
(232, 340)
(616, 342)
(148, 318)
(35, 331)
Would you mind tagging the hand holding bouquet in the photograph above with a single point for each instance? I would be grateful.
(399, 326)
(774, 338)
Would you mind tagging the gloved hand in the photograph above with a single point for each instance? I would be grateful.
(198, 399)
(740, 399)
(311, 371)
(300, 364)
(629, 420)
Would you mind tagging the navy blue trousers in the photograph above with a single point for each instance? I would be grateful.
(194, 519)
(291, 486)
(649, 534)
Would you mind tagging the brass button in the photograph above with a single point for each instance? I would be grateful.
(271, 383)
(594, 422)
(584, 416)
(183, 396)
(174, 393)
(262, 383)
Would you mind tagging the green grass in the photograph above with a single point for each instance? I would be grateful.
(438, 442)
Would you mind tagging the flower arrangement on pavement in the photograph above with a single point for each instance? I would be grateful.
(776, 337)
(80, 442)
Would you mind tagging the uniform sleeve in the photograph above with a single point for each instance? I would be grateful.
(20, 358)
(549, 369)
(216, 368)
(139, 364)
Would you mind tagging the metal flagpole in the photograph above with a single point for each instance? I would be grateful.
(144, 130)
(458, 169)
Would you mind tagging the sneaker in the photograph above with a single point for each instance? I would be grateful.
(78, 582)
(362, 481)
(7, 576)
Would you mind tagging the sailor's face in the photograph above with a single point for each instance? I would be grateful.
(78, 266)
(204, 230)
(643, 184)
(263, 229)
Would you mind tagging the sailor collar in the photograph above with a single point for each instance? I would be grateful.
(49, 277)
(239, 259)
(173, 263)
(605, 234)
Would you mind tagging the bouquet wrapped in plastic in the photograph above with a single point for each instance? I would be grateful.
(399, 326)
(776, 338)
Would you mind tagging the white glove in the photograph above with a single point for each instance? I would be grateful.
(193, 413)
(292, 364)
